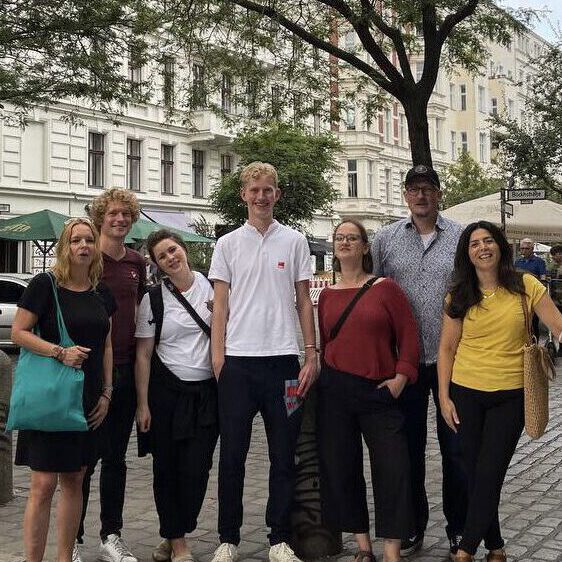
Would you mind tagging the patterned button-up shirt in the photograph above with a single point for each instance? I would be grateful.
(423, 273)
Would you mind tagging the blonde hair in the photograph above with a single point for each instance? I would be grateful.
(256, 170)
(113, 195)
(61, 269)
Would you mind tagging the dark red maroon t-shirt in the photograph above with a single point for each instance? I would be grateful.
(126, 279)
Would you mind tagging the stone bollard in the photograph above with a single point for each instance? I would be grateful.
(6, 481)
(309, 538)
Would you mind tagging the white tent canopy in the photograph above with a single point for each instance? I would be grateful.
(541, 221)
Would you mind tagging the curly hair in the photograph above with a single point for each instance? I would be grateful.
(256, 170)
(465, 290)
(114, 195)
(61, 269)
(157, 236)
(367, 263)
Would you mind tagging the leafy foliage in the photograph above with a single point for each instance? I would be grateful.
(304, 163)
(532, 151)
(464, 180)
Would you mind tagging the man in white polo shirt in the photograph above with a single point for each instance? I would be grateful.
(257, 270)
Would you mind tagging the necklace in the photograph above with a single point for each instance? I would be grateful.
(485, 296)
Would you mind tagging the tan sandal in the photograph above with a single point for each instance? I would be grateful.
(364, 556)
(463, 557)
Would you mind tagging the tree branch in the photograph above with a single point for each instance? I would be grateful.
(454, 19)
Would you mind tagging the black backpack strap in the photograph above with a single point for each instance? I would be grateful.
(175, 291)
(337, 327)
(157, 307)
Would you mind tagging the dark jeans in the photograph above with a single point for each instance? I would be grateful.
(490, 427)
(414, 402)
(248, 385)
(349, 407)
(113, 474)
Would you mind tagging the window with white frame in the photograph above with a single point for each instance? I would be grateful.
(167, 169)
(198, 93)
(453, 145)
(482, 152)
(494, 106)
(510, 108)
(349, 40)
(438, 133)
(226, 165)
(352, 178)
(134, 164)
(387, 125)
(481, 99)
(96, 158)
(350, 118)
(370, 178)
(403, 129)
(168, 78)
(388, 185)
(464, 141)
(198, 172)
(452, 96)
(462, 91)
(226, 93)
(135, 67)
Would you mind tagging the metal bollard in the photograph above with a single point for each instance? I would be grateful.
(6, 478)
(309, 538)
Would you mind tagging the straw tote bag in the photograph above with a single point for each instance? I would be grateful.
(538, 371)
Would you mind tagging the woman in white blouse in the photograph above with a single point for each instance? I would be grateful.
(176, 391)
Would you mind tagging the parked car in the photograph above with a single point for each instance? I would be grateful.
(12, 286)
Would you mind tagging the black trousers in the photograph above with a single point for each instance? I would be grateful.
(248, 385)
(113, 474)
(490, 426)
(348, 408)
(414, 403)
(181, 463)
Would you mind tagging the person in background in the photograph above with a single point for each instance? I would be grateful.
(417, 253)
(62, 457)
(556, 280)
(261, 273)
(365, 367)
(556, 254)
(113, 213)
(176, 392)
(481, 372)
(534, 265)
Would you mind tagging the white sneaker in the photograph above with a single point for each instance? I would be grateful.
(226, 552)
(76, 556)
(282, 552)
(115, 549)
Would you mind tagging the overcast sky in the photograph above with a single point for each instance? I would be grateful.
(550, 27)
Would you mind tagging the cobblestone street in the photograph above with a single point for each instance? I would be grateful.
(531, 507)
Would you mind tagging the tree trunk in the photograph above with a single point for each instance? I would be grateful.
(418, 129)
(6, 490)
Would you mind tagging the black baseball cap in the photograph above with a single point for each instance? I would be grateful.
(425, 172)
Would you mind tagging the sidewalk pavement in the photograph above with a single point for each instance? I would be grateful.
(530, 511)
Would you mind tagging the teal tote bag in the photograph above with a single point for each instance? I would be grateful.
(46, 394)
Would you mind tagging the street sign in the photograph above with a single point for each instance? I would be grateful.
(508, 209)
(525, 194)
(530, 202)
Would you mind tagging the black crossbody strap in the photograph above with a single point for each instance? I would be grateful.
(175, 291)
(335, 330)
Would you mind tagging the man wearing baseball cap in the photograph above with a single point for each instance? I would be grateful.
(418, 253)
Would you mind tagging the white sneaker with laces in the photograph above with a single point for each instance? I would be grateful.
(76, 556)
(282, 552)
(115, 549)
(226, 552)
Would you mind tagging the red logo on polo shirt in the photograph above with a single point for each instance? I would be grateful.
(280, 265)
(134, 274)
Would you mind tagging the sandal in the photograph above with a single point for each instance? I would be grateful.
(364, 556)
(463, 557)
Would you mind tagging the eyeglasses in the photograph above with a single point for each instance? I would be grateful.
(347, 237)
(415, 189)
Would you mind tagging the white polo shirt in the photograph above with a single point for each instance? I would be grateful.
(184, 348)
(262, 271)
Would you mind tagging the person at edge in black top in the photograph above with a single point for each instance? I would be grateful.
(62, 457)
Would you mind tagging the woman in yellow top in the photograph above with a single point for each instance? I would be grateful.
(480, 368)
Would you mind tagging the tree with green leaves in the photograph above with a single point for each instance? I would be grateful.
(305, 164)
(532, 151)
(464, 180)
(252, 37)
(70, 50)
